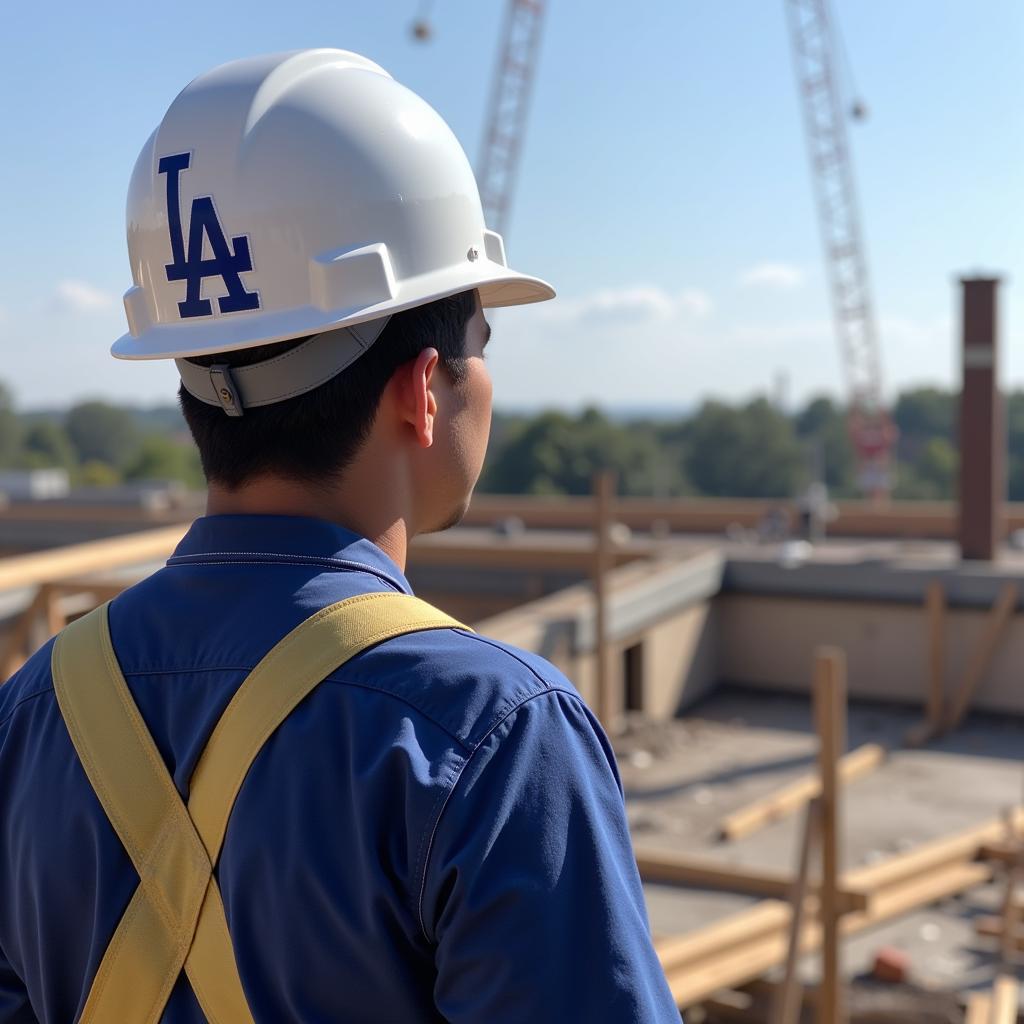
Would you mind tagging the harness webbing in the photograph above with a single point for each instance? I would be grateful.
(176, 918)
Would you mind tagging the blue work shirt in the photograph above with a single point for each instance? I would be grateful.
(436, 833)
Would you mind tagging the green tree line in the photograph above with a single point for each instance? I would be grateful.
(99, 444)
(748, 449)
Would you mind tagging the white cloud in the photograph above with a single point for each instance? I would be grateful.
(635, 304)
(772, 275)
(80, 297)
(694, 301)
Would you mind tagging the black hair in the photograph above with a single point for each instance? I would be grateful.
(314, 436)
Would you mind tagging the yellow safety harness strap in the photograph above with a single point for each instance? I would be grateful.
(283, 678)
(132, 783)
(176, 917)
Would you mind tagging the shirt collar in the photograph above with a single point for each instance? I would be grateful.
(238, 538)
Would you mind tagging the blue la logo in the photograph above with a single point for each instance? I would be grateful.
(228, 262)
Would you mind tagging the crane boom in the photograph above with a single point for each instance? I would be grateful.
(853, 312)
(509, 105)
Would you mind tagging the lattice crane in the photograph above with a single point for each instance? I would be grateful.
(871, 430)
(508, 107)
(509, 102)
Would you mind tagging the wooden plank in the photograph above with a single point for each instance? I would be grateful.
(742, 951)
(692, 983)
(788, 1000)
(94, 556)
(958, 847)
(765, 918)
(981, 659)
(704, 873)
(929, 887)
(1005, 1000)
(830, 721)
(797, 794)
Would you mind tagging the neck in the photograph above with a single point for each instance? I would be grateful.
(388, 528)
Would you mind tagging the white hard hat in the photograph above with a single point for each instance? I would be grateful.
(295, 194)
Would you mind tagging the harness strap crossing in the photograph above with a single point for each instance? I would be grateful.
(176, 918)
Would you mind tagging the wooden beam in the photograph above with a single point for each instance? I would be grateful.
(768, 917)
(94, 556)
(745, 945)
(979, 1008)
(607, 707)
(830, 721)
(1010, 911)
(958, 847)
(788, 1000)
(1005, 1000)
(981, 659)
(705, 873)
(935, 607)
(15, 648)
(796, 794)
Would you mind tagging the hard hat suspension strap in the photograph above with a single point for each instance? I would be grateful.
(292, 373)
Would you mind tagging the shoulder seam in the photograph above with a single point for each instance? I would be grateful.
(363, 685)
(424, 858)
(25, 700)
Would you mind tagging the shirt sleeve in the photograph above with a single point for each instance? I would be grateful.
(531, 892)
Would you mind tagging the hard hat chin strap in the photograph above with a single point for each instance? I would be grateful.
(292, 373)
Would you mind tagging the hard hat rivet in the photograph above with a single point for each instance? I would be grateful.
(473, 254)
(226, 395)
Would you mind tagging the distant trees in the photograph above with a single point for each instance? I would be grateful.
(750, 449)
(99, 444)
(102, 433)
(10, 428)
(554, 453)
(47, 444)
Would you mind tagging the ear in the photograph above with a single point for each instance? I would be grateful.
(416, 399)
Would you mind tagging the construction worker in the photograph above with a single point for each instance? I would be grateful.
(267, 783)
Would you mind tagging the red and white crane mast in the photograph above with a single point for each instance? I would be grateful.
(871, 429)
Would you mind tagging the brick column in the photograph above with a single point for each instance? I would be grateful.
(982, 426)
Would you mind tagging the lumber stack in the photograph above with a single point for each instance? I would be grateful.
(741, 947)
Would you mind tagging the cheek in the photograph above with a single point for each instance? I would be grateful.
(484, 400)
(473, 422)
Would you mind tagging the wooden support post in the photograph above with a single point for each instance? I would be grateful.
(797, 793)
(18, 640)
(789, 995)
(55, 619)
(608, 709)
(830, 718)
(935, 602)
(979, 1008)
(1005, 998)
(1002, 612)
(935, 697)
(1009, 914)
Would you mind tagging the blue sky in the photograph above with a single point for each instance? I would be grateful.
(664, 187)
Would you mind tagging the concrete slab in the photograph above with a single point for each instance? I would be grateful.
(682, 776)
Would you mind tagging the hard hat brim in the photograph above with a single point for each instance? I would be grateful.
(496, 284)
